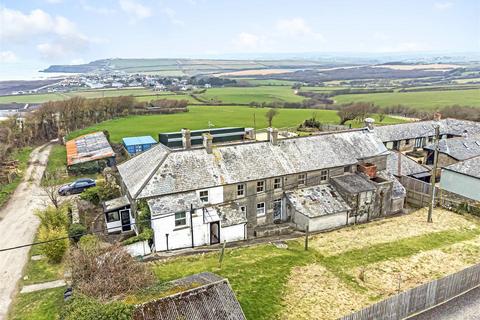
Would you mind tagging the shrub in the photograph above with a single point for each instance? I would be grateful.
(101, 192)
(81, 307)
(147, 234)
(76, 231)
(108, 272)
(144, 216)
(53, 218)
(53, 250)
(92, 195)
(89, 243)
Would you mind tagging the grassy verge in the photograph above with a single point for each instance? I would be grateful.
(257, 274)
(40, 305)
(22, 155)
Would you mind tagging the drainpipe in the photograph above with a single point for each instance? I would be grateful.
(166, 237)
(191, 223)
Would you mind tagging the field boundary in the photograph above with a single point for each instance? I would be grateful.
(421, 298)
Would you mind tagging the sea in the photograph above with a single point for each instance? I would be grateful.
(27, 70)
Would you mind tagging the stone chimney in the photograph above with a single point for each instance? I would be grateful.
(465, 134)
(369, 124)
(208, 142)
(273, 135)
(186, 139)
(437, 116)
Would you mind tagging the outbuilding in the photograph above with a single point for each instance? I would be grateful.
(463, 178)
(136, 145)
(118, 217)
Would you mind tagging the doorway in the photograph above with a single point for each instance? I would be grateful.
(215, 232)
(277, 210)
(125, 218)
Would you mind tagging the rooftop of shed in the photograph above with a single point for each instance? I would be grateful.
(132, 141)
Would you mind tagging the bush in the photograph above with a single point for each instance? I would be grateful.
(144, 216)
(53, 250)
(81, 307)
(147, 234)
(101, 192)
(53, 218)
(92, 195)
(76, 231)
(89, 243)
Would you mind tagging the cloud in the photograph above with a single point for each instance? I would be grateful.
(62, 47)
(297, 27)
(77, 61)
(94, 9)
(247, 41)
(380, 36)
(172, 16)
(442, 5)
(8, 56)
(406, 47)
(135, 9)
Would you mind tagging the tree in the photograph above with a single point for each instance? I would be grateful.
(50, 185)
(56, 243)
(272, 113)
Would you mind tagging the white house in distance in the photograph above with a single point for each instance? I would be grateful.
(463, 178)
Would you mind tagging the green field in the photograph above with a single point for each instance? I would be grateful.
(199, 116)
(249, 94)
(267, 82)
(421, 100)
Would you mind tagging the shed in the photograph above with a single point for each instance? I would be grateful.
(91, 147)
(118, 215)
(136, 145)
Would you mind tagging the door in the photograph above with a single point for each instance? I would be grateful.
(277, 210)
(125, 218)
(215, 232)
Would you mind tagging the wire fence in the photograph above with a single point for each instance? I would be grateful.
(422, 297)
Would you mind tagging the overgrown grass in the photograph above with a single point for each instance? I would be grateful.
(39, 305)
(250, 94)
(257, 274)
(22, 155)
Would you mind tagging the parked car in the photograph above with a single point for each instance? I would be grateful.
(76, 187)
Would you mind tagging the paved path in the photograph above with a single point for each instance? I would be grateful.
(18, 226)
(465, 307)
(43, 286)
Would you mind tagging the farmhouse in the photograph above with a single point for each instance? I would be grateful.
(463, 178)
(214, 193)
(454, 150)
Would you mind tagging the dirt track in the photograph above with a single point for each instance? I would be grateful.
(18, 226)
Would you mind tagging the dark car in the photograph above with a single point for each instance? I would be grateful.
(76, 186)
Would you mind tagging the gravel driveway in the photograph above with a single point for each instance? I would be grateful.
(18, 225)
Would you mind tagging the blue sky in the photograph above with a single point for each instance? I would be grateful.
(76, 31)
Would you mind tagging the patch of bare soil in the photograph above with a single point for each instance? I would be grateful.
(257, 72)
(387, 277)
(315, 293)
(388, 230)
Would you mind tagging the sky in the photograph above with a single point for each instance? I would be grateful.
(44, 32)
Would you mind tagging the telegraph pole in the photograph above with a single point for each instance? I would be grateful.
(434, 173)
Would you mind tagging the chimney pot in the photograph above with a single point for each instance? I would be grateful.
(208, 142)
(437, 116)
(273, 135)
(186, 139)
(369, 123)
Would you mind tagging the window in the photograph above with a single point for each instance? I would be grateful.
(138, 148)
(240, 190)
(302, 178)
(260, 186)
(346, 169)
(180, 219)
(407, 142)
(260, 209)
(204, 196)
(113, 216)
(243, 210)
(418, 142)
(323, 175)
(277, 183)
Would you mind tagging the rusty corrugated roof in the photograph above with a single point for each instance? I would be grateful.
(89, 147)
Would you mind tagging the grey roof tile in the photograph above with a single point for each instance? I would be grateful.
(459, 148)
(408, 166)
(470, 167)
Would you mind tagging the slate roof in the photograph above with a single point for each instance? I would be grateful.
(398, 190)
(159, 171)
(354, 183)
(317, 201)
(470, 167)
(409, 167)
(419, 129)
(116, 203)
(230, 214)
(204, 296)
(458, 148)
(89, 147)
(174, 203)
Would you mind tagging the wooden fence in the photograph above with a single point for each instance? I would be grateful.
(421, 298)
(418, 192)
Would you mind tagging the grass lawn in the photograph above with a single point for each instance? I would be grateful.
(249, 94)
(40, 305)
(421, 100)
(22, 155)
(199, 116)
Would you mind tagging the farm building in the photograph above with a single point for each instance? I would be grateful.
(89, 153)
(400, 165)
(136, 145)
(453, 150)
(463, 178)
(195, 137)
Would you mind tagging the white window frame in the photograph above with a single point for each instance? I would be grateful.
(324, 175)
(277, 183)
(203, 198)
(261, 186)
(261, 206)
(178, 220)
(302, 179)
(241, 190)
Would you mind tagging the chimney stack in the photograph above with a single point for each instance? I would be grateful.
(186, 139)
(208, 142)
(465, 134)
(437, 116)
(273, 135)
(369, 124)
